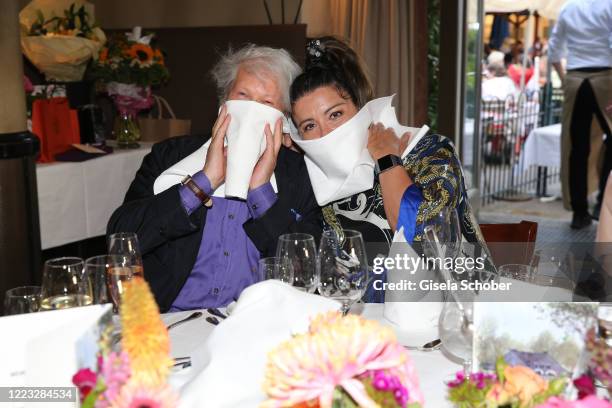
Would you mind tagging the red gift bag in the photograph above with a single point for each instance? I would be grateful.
(56, 125)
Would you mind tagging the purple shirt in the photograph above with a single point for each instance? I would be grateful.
(227, 259)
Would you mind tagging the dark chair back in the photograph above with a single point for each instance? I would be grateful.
(521, 238)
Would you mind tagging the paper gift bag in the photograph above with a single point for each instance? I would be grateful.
(160, 128)
(56, 125)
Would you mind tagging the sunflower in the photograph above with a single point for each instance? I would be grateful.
(141, 52)
(159, 56)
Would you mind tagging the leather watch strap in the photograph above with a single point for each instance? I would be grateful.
(195, 189)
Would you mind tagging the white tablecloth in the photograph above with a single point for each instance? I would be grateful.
(433, 368)
(543, 147)
(76, 200)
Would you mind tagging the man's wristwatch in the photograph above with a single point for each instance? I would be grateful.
(195, 189)
(386, 162)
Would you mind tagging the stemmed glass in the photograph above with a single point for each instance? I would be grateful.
(343, 267)
(275, 268)
(23, 299)
(456, 323)
(299, 251)
(120, 269)
(64, 284)
(126, 244)
(96, 269)
(442, 237)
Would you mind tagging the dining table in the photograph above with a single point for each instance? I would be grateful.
(434, 368)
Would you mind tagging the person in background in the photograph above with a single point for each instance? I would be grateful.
(499, 86)
(583, 33)
(196, 256)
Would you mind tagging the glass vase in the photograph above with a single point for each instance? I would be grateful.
(127, 131)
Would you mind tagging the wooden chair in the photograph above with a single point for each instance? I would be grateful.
(521, 236)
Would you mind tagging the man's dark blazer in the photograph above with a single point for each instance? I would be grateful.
(170, 239)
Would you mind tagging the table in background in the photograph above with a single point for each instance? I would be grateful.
(433, 368)
(76, 199)
(543, 149)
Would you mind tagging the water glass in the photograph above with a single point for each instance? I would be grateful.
(23, 299)
(126, 244)
(275, 268)
(64, 284)
(343, 267)
(299, 251)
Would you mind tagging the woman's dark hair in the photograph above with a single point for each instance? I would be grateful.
(331, 62)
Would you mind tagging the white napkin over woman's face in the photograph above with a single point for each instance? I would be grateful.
(246, 142)
(339, 164)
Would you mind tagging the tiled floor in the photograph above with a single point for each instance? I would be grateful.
(553, 220)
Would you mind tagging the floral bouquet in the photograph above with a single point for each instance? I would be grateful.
(136, 375)
(513, 387)
(60, 37)
(519, 387)
(129, 66)
(341, 362)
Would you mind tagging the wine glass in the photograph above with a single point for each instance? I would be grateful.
(120, 270)
(64, 284)
(96, 269)
(275, 268)
(343, 267)
(23, 299)
(443, 233)
(299, 251)
(126, 243)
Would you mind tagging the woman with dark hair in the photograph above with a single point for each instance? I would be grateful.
(407, 192)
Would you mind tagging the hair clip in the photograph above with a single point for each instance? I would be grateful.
(315, 49)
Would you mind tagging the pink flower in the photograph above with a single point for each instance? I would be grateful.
(585, 386)
(115, 370)
(27, 84)
(335, 353)
(140, 396)
(589, 402)
(85, 380)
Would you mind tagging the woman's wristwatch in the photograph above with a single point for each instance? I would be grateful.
(195, 189)
(386, 163)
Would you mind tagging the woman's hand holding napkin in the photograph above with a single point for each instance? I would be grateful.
(215, 163)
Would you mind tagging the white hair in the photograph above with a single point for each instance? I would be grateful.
(256, 59)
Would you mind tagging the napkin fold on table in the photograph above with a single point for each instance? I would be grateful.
(231, 363)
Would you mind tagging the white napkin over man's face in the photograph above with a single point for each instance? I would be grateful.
(246, 142)
(339, 164)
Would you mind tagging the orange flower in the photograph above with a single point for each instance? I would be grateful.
(498, 395)
(159, 56)
(145, 337)
(523, 382)
(141, 52)
(103, 55)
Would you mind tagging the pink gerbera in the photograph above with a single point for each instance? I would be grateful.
(135, 395)
(335, 353)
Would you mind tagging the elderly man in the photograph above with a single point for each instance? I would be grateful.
(196, 255)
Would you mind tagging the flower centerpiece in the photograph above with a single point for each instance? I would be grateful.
(129, 66)
(135, 375)
(342, 361)
(513, 387)
(60, 37)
